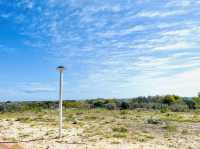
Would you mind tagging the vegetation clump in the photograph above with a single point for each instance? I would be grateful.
(120, 129)
(154, 121)
(170, 128)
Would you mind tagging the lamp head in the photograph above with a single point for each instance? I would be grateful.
(61, 68)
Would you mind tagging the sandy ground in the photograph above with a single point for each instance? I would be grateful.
(45, 138)
(94, 130)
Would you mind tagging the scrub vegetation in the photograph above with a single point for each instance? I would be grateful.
(163, 103)
(150, 122)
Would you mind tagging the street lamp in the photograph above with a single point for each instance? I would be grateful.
(61, 70)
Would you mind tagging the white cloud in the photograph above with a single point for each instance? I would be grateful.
(184, 84)
(183, 32)
(173, 46)
(26, 4)
(113, 8)
(122, 32)
(182, 3)
(152, 14)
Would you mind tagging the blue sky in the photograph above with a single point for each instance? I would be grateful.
(111, 48)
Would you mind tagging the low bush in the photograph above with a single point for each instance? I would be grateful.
(179, 107)
(120, 129)
(154, 121)
(170, 128)
(124, 105)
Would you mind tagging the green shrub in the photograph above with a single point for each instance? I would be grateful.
(197, 102)
(179, 107)
(169, 99)
(154, 121)
(120, 135)
(164, 109)
(170, 128)
(98, 104)
(123, 112)
(120, 129)
(190, 103)
(124, 105)
(72, 104)
(111, 106)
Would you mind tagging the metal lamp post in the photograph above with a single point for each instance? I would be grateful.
(61, 70)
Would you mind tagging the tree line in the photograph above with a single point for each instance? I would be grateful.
(163, 103)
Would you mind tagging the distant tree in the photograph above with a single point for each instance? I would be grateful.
(190, 103)
(2, 108)
(124, 105)
(197, 102)
(111, 106)
(199, 94)
(168, 99)
(98, 104)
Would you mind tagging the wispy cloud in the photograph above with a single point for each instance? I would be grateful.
(174, 46)
(39, 90)
(114, 45)
(152, 14)
(122, 32)
(183, 3)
